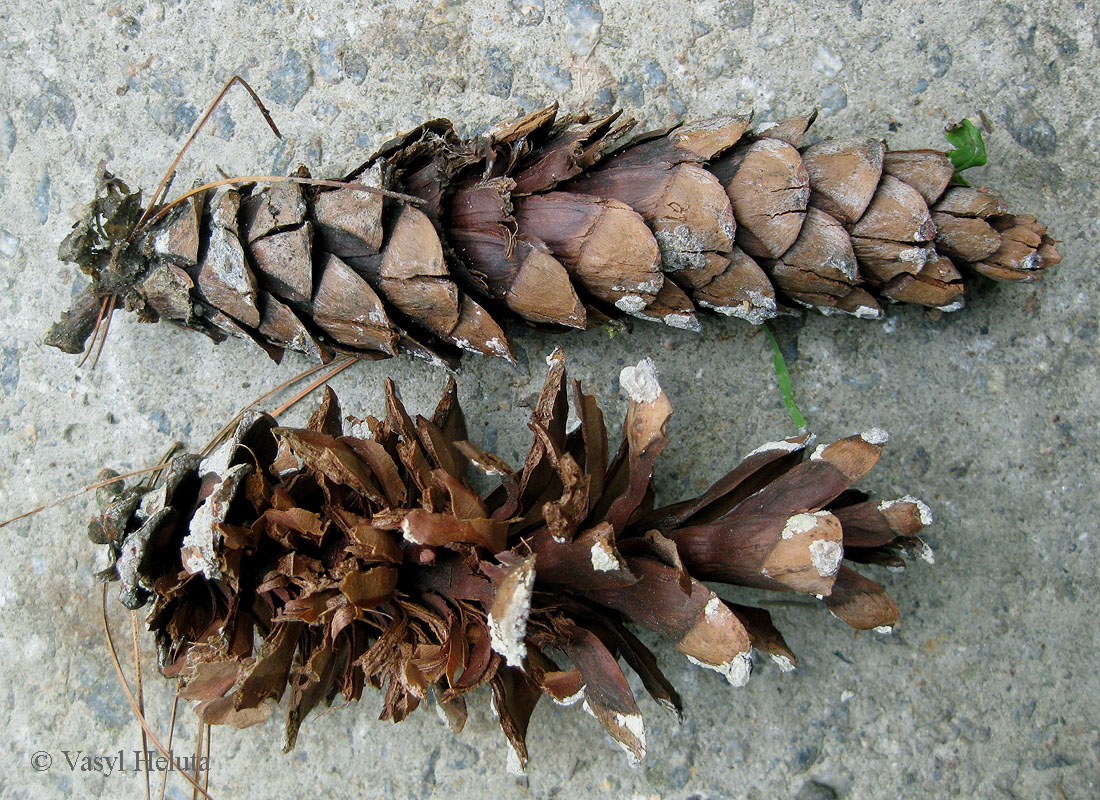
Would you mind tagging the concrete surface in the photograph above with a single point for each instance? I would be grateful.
(988, 689)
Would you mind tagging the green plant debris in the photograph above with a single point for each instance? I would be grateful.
(969, 148)
(784, 379)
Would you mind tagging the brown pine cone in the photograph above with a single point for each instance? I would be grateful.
(563, 222)
(362, 555)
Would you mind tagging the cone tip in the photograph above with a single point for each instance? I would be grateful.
(923, 511)
(630, 303)
(782, 661)
(736, 670)
(783, 445)
(875, 436)
(684, 322)
(640, 383)
(516, 766)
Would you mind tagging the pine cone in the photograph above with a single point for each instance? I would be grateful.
(366, 558)
(565, 223)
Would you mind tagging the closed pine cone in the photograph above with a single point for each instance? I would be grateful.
(565, 222)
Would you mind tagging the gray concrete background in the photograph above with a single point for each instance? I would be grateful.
(988, 688)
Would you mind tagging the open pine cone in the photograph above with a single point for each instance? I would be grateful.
(314, 562)
(563, 222)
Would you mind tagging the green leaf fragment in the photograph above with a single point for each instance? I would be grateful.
(969, 148)
(784, 379)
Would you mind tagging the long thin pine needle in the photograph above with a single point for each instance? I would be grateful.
(83, 490)
(106, 328)
(229, 426)
(163, 187)
(206, 450)
(171, 736)
(130, 695)
(315, 385)
(405, 198)
(206, 772)
(198, 761)
(95, 332)
(140, 692)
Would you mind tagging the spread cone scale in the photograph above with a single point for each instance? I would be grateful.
(565, 222)
(307, 564)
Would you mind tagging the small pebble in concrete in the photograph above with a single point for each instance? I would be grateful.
(724, 64)
(329, 67)
(499, 79)
(653, 76)
(222, 123)
(173, 116)
(806, 757)
(556, 78)
(168, 105)
(583, 21)
(42, 197)
(736, 14)
(603, 101)
(631, 94)
(9, 244)
(527, 12)
(129, 26)
(291, 80)
(50, 102)
(827, 62)
(772, 41)
(9, 369)
(282, 154)
(314, 151)
(355, 67)
(833, 99)
(1029, 128)
(812, 790)
(7, 135)
(941, 57)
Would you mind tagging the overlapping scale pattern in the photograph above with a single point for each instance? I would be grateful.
(563, 222)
